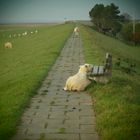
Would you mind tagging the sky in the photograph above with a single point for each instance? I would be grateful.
(40, 11)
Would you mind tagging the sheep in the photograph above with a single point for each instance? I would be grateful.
(25, 33)
(36, 31)
(76, 31)
(14, 35)
(79, 81)
(8, 45)
(19, 35)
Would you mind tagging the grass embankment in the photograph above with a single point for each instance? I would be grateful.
(23, 67)
(117, 104)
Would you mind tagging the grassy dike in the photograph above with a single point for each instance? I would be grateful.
(117, 104)
(23, 67)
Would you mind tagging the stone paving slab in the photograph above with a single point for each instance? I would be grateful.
(55, 114)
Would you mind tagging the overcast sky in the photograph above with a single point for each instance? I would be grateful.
(24, 11)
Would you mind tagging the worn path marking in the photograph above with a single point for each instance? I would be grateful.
(55, 114)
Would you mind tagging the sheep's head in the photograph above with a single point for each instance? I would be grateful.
(86, 68)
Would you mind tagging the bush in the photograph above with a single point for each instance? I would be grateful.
(128, 35)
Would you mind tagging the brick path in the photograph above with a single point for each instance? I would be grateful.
(55, 114)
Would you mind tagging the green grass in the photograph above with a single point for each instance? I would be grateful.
(42, 136)
(62, 130)
(117, 104)
(23, 67)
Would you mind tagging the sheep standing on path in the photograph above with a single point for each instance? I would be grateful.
(76, 31)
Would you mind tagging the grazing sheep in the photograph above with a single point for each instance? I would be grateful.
(25, 33)
(15, 35)
(79, 81)
(36, 31)
(19, 35)
(8, 45)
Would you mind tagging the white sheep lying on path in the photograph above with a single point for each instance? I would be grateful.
(79, 81)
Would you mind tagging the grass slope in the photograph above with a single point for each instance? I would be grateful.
(23, 67)
(117, 104)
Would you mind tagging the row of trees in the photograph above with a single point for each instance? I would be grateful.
(108, 20)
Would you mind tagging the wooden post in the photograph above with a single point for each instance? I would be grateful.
(108, 64)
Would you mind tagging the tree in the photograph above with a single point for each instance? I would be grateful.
(125, 17)
(106, 18)
(96, 14)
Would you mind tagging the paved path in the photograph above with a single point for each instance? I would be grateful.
(55, 114)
